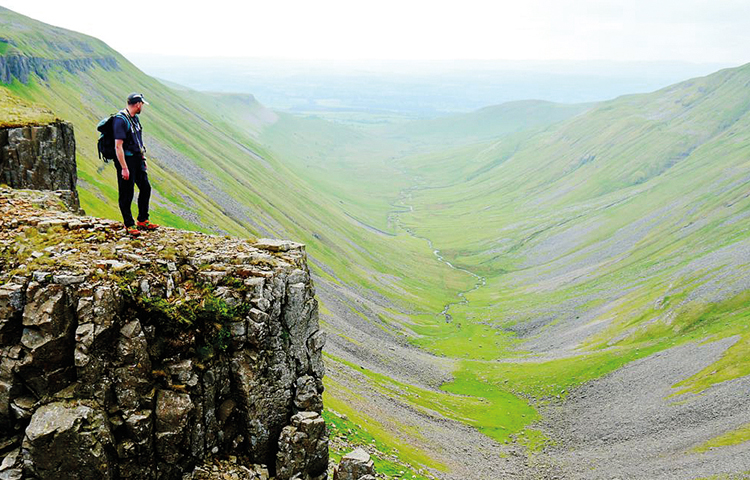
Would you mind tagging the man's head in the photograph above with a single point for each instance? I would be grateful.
(136, 102)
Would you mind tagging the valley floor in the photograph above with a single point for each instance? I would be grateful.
(627, 424)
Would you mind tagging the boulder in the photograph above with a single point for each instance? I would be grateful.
(356, 465)
(48, 336)
(307, 396)
(40, 157)
(67, 440)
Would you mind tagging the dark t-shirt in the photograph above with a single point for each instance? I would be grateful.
(122, 131)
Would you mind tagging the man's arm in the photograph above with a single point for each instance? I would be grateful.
(121, 158)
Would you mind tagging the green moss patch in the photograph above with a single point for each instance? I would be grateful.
(735, 437)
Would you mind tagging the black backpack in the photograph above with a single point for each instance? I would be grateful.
(106, 144)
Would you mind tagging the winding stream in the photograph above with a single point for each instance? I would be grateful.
(393, 216)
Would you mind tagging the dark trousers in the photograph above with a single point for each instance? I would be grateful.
(138, 176)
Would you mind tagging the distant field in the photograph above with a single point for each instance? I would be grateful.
(413, 88)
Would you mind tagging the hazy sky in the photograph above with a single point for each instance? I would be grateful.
(716, 31)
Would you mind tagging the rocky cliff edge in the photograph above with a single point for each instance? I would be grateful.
(42, 157)
(140, 359)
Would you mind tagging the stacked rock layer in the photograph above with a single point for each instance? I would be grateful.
(139, 359)
(41, 157)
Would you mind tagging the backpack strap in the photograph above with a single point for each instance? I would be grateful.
(131, 123)
(125, 117)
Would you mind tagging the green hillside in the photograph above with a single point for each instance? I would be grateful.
(599, 240)
(470, 269)
(485, 124)
(209, 171)
(615, 233)
(213, 169)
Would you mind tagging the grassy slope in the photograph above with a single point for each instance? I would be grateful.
(213, 132)
(217, 134)
(14, 112)
(631, 216)
(505, 209)
(481, 197)
(485, 124)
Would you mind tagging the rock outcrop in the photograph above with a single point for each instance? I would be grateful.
(356, 465)
(41, 157)
(140, 359)
(22, 67)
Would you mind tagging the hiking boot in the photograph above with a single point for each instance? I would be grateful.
(147, 225)
(132, 231)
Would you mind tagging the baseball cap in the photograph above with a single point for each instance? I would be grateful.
(134, 98)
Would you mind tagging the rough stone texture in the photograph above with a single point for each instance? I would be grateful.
(140, 359)
(303, 447)
(68, 440)
(356, 465)
(228, 469)
(12, 466)
(22, 67)
(40, 158)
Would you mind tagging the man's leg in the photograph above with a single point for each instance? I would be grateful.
(144, 190)
(125, 195)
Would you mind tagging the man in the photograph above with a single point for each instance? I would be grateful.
(131, 165)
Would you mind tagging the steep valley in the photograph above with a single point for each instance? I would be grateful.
(532, 290)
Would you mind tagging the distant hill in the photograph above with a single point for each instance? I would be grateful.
(600, 240)
(487, 123)
(413, 88)
(476, 270)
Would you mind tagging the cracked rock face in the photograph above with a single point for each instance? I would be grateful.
(219, 355)
(22, 67)
(303, 447)
(41, 158)
(65, 437)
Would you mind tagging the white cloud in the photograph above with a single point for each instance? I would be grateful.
(684, 30)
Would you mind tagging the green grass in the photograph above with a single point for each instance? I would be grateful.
(340, 427)
(621, 212)
(735, 437)
(334, 397)
(16, 112)
(733, 364)
(495, 412)
(728, 476)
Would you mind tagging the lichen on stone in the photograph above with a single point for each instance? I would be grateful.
(179, 345)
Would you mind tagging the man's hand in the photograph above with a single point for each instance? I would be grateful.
(145, 165)
(121, 159)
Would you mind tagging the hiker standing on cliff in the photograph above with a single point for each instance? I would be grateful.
(131, 165)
